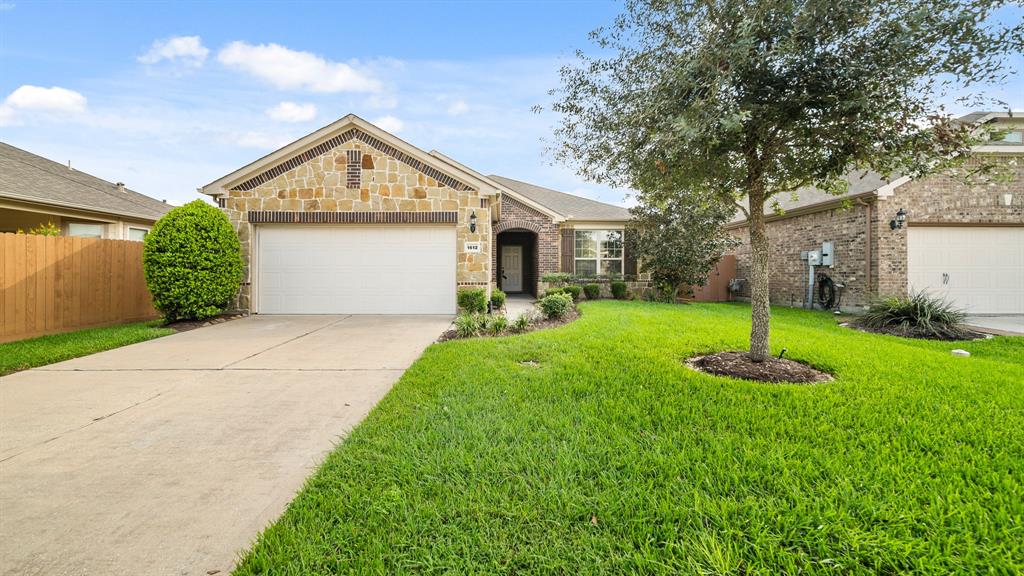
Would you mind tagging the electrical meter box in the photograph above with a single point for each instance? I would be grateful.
(827, 258)
(814, 257)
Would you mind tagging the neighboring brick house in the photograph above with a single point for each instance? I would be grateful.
(351, 219)
(959, 241)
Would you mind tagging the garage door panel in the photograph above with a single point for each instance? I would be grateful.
(356, 270)
(979, 269)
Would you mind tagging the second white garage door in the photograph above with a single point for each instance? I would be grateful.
(355, 270)
(979, 269)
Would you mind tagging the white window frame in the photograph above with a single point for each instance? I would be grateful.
(102, 227)
(143, 230)
(599, 259)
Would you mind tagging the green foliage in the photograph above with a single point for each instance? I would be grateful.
(522, 322)
(553, 291)
(193, 262)
(918, 316)
(573, 290)
(556, 277)
(473, 300)
(611, 450)
(620, 290)
(43, 350)
(497, 325)
(593, 291)
(468, 325)
(497, 299)
(555, 305)
(48, 229)
(736, 101)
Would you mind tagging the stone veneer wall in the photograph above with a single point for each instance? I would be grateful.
(513, 211)
(385, 185)
(940, 199)
(935, 199)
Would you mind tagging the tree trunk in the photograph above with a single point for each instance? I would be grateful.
(760, 309)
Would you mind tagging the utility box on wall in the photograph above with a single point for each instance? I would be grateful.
(827, 257)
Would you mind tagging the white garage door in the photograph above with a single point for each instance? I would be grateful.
(355, 270)
(979, 269)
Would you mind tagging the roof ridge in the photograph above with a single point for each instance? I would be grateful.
(576, 196)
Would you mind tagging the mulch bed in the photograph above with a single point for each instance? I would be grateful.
(961, 334)
(186, 325)
(739, 365)
(540, 324)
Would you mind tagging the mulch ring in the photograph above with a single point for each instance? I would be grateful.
(540, 323)
(957, 334)
(739, 365)
(186, 325)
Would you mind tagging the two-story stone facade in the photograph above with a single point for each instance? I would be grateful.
(351, 219)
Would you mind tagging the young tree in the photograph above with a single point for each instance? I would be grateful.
(726, 100)
(677, 241)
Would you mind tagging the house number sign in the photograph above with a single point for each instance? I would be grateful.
(472, 247)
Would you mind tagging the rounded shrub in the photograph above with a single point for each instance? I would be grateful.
(574, 291)
(593, 291)
(555, 305)
(192, 261)
(497, 299)
(473, 300)
(620, 290)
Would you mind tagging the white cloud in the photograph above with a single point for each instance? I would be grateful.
(30, 98)
(389, 123)
(6, 6)
(187, 50)
(381, 102)
(292, 112)
(290, 69)
(458, 107)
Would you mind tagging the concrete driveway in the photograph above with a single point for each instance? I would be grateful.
(169, 456)
(1008, 325)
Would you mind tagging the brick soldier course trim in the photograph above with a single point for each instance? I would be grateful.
(513, 224)
(353, 169)
(340, 139)
(289, 217)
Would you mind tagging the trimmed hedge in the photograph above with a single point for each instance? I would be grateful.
(555, 305)
(192, 261)
(620, 290)
(593, 291)
(497, 298)
(473, 300)
(574, 291)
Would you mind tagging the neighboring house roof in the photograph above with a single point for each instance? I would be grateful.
(26, 177)
(330, 136)
(569, 206)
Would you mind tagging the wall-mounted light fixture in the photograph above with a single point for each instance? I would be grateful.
(472, 222)
(897, 222)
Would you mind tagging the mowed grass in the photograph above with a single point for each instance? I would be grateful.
(25, 354)
(612, 457)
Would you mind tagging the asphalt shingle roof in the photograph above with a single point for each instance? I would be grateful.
(568, 205)
(27, 177)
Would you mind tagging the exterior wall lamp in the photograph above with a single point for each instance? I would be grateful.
(897, 222)
(472, 222)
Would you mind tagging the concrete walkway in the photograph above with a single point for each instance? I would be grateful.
(516, 304)
(169, 456)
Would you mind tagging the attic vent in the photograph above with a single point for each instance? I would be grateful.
(120, 186)
(354, 168)
(485, 203)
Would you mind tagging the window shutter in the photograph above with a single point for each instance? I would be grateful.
(629, 254)
(568, 250)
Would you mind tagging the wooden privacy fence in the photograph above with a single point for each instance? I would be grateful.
(54, 284)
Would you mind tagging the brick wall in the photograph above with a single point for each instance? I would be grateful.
(513, 211)
(934, 199)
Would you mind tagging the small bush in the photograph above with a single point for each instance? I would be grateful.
(468, 325)
(574, 291)
(556, 277)
(620, 290)
(919, 316)
(593, 291)
(522, 322)
(497, 299)
(473, 300)
(192, 262)
(555, 305)
(497, 325)
(553, 291)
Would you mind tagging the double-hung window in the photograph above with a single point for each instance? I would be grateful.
(598, 252)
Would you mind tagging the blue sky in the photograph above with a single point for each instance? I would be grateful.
(169, 96)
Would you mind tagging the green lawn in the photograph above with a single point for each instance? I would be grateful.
(612, 457)
(25, 354)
